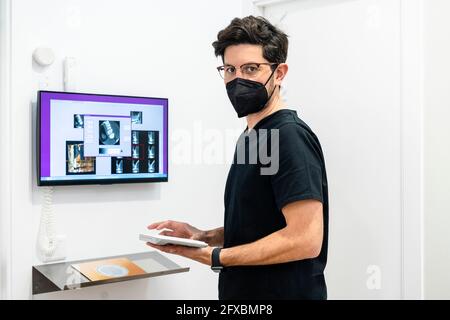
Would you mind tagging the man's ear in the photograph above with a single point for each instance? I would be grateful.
(280, 73)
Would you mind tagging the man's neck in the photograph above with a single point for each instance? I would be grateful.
(275, 104)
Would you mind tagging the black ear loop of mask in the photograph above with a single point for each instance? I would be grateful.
(275, 87)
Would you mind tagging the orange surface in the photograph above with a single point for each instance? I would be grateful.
(108, 269)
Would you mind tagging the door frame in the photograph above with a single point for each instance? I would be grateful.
(5, 142)
(411, 139)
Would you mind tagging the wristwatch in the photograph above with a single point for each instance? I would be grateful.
(216, 266)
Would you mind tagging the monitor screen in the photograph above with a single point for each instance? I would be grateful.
(101, 139)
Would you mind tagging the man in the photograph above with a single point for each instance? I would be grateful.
(274, 241)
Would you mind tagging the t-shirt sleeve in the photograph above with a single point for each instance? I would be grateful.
(299, 176)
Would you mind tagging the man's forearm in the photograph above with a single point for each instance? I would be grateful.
(213, 237)
(279, 247)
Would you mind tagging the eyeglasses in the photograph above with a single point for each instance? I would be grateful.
(248, 70)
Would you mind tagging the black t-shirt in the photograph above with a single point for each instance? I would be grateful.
(253, 203)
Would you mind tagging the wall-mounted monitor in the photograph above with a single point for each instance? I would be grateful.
(101, 139)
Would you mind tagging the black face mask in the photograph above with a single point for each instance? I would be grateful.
(248, 96)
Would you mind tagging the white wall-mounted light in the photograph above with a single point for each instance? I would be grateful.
(44, 56)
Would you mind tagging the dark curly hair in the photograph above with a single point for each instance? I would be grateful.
(254, 30)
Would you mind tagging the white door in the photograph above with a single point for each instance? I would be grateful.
(346, 81)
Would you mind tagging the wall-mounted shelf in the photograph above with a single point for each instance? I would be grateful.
(61, 276)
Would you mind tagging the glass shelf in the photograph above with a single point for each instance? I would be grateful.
(62, 276)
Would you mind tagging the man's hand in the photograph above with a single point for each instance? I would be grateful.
(183, 230)
(202, 255)
(179, 229)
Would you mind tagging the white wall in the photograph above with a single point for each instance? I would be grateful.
(144, 48)
(353, 76)
(437, 148)
(4, 143)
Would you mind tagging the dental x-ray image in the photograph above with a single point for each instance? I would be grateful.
(144, 156)
(151, 137)
(135, 166)
(151, 151)
(151, 166)
(119, 165)
(135, 152)
(109, 132)
(135, 137)
(78, 121)
(76, 162)
(136, 117)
